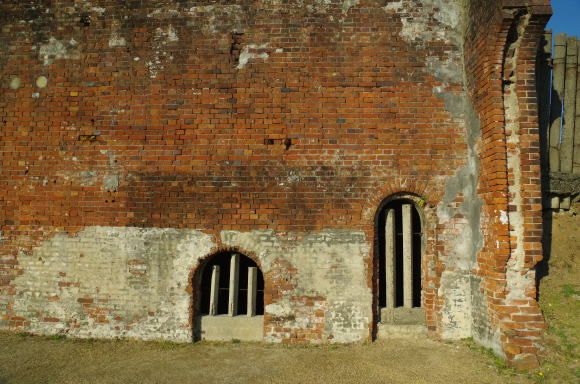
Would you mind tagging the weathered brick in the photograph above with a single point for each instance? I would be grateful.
(165, 133)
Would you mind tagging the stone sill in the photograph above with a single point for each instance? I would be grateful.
(227, 328)
(401, 315)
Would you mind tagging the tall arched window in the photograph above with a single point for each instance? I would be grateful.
(231, 284)
(399, 235)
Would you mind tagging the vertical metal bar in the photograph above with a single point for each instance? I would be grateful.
(214, 292)
(559, 74)
(234, 280)
(407, 256)
(390, 259)
(252, 290)
(567, 146)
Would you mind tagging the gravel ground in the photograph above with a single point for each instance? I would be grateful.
(27, 359)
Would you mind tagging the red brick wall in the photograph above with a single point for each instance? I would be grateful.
(196, 142)
(153, 118)
(191, 145)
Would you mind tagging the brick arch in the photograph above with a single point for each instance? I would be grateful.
(419, 203)
(195, 277)
(429, 191)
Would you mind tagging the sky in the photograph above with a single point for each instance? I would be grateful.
(566, 17)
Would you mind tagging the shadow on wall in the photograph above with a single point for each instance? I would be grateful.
(213, 195)
(550, 112)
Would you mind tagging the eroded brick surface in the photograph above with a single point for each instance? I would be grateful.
(139, 137)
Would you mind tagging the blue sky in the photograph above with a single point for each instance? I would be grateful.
(566, 17)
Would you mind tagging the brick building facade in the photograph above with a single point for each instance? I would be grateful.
(141, 138)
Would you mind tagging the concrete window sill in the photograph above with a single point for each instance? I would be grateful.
(226, 328)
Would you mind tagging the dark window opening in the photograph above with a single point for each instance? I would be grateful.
(223, 260)
(397, 207)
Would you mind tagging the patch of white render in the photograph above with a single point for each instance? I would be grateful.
(162, 36)
(168, 34)
(330, 264)
(138, 279)
(446, 69)
(249, 52)
(281, 309)
(154, 304)
(455, 286)
(318, 6)
(416, 28)
(110, 182)
(154, 66)
(456, 314)
(347, 5)
(100, 10)
(393, 5)
(56, 49)
(87, 7)
(163, 13)
(117, 41)
(503, 218)
(218, 16)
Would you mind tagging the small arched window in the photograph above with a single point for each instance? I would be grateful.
(232, 284)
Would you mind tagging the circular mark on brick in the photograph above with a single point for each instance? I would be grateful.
(41, 81)
(15, 83)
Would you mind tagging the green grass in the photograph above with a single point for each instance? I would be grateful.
(57, 337)
(566, 346)
(170, 345)
(569, 290)
(496, 360)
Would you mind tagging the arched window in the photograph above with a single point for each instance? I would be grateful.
(399, 234)
(232, 284)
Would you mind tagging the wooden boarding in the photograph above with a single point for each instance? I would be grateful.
(558, 89)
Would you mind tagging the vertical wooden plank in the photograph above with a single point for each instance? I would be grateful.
(558, 77)
(390, 259)
(544, 72)
(576, 157)
(407, 256)
(252, 290)
(566, 146)
(214, 290)
(234, 281)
